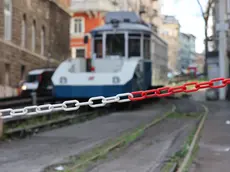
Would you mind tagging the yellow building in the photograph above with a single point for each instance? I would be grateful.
(169, 31)
(151, 10)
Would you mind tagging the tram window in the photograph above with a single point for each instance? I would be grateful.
(134, 48)
(134, 45)
(147, 36)
(115, 44)
(98, 36)
(146, 48)
(135, 35)
(98, 48)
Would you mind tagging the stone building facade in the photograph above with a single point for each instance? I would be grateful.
(33, 34)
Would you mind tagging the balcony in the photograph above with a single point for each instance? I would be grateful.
(92, 5)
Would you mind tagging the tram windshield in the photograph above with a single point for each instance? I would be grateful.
(115, 45)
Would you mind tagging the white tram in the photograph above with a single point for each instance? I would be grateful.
(126, 56)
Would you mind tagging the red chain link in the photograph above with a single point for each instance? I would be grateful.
(167, 91)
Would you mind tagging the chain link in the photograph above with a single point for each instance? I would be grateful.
(141, 95)
(70, 105)
(101, 101)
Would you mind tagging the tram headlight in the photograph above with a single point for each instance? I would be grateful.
(24, 87)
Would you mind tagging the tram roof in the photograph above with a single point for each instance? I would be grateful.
(127, 21)
(123, 27)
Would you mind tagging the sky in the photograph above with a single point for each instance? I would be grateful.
(189, 15)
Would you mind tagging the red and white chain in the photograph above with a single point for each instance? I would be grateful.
(119, 98)
(141, 95)
(66, 106)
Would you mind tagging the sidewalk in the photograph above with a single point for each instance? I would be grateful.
(214, 145)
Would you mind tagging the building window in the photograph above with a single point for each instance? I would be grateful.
(7, 74)
(22, 72)
(7, 19)
(80, 52)
(23, 36)
(43, 40)
(77, 25)
(33, 41)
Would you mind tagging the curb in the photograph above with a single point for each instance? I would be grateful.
(195, 138)
(119, 143)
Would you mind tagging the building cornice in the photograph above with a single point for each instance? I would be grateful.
(61, 6)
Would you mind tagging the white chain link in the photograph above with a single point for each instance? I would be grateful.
(47, 108)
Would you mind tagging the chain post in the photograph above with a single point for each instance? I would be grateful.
(34, 98)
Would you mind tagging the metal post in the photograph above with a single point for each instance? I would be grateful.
(34, 98)
(222, 28)
(1, 126)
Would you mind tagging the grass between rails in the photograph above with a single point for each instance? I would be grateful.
(125, 140)
(82, 162)
(179, 156)
(196, 149)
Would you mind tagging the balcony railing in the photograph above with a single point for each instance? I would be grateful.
(92, 5)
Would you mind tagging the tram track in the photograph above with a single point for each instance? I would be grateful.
(170, 134)
(82, 114)
(51, 146)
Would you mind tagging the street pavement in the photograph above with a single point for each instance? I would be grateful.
(214, 145)
(35, 153)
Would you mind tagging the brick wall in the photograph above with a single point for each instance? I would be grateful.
(46, 14)
(16, 57)
(1, 17)
(59, 32)
(35, 10)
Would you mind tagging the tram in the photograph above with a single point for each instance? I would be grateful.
(126, 56)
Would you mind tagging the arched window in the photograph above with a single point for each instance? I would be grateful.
(23, 30)
(7, 19)
(33, 41)
(43, 40)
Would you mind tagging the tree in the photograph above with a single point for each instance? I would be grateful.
(205, 15)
